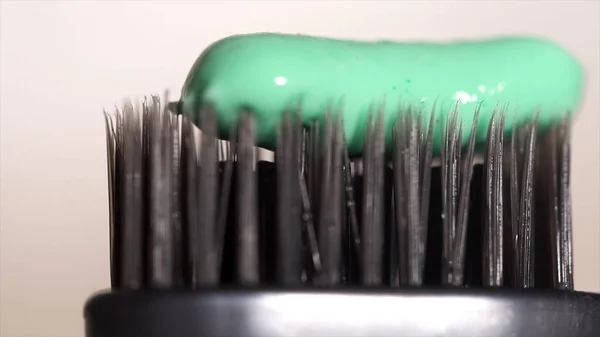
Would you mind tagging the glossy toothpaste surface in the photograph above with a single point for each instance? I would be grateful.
(273, 73)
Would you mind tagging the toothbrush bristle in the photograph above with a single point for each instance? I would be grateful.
(189, 204)
(329, 225)
(494, 207)
(130, 190)
(309, 189)
(190, 210)
(177, 198)
(288, 227)
(552, 185)
(247, 195)
(205, 269)
(112, 208)
(371, 261)
(158, 169)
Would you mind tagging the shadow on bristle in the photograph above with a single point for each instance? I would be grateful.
(188, 210)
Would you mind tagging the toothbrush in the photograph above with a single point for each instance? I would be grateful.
(379, 217)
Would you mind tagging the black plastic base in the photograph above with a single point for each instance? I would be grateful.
(318, 313)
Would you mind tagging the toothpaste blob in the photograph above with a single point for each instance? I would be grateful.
(270, 74)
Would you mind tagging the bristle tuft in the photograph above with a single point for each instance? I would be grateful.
(189, 209)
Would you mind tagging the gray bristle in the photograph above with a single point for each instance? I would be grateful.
(204, 248)
(189, 210)
(189, 204)
(131, 191)
(247, 208)
(158, 167)
(330, 222)
(309, 191)
(288, 227)
(494, 207)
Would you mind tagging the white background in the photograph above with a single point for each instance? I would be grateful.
(61, 63)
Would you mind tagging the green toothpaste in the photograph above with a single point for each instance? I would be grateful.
(274, 73)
